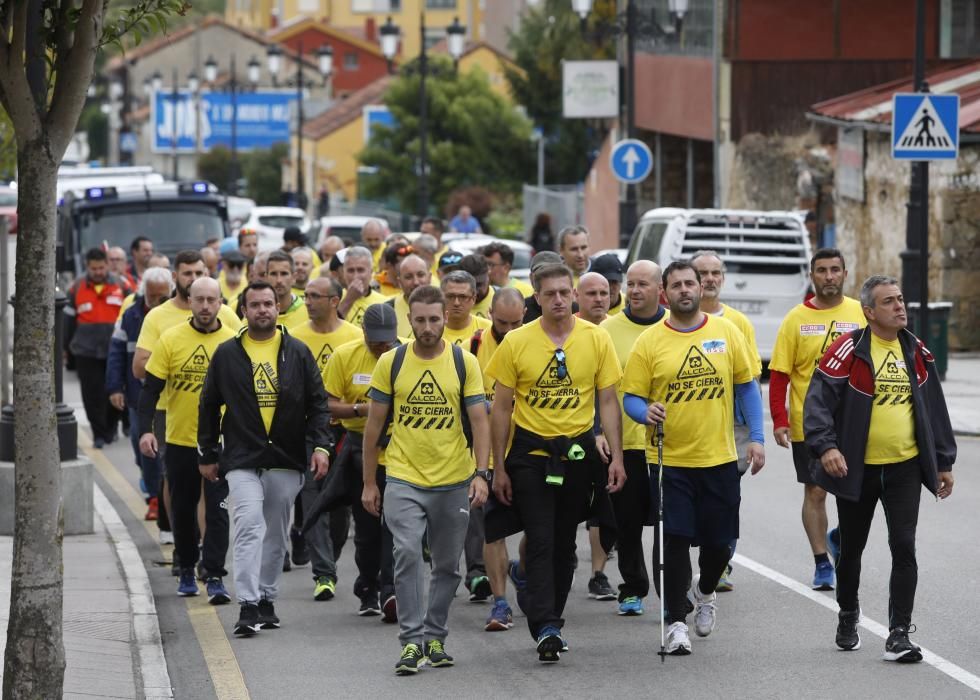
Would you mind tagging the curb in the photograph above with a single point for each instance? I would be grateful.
(149, 644)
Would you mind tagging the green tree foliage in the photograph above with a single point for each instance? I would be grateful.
(547, 36)
(475, 137)
(96, 125)
(263, 172)
(8, 148)
(215, 166)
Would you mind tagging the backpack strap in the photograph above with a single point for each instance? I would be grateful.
(476, 341)
(396, 366)
(460, 363)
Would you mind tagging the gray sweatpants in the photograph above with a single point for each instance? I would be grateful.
(408, 512)
(262, 501)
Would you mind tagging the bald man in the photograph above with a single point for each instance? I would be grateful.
(329, 248)
(373, 235)
(412, 272)
(180, 360)
(592, 295)
(633, 505)
(210, 258)
(302, 269)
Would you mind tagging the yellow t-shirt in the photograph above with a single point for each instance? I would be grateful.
(521, 286)
(613, 310)
(228, 294)
(376, 257)
(401, 311)
(488, 346)
(356, 312)
(348, 378)
(545, 402)
(181, 358)
(693, 374)
(743, 323)
(427, 447)
(462, 337)
(323, 345)
(434, 268)
(891, 435)
(482, 308)
(295, 315)
(265, 377)
(624, 333)
(803, 338)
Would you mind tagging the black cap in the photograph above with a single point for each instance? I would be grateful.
(609, 266)
(233, 257)
(450, 258)
(380, 324)
(292, 233)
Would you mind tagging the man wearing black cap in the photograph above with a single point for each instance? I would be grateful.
(448, 262)
(231, 278)
(292, 237)
(610, 267)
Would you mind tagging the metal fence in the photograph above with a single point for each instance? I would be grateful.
(565, 204)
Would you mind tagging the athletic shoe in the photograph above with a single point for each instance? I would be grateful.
(848, 638)
(166, 537)
(301, 553)
(823, 577)
(677, 641)
(217, 593)
(98, 443)
(187, 586)
(248, 620)
(549, 645)
(501, 617)
(369, 605)
(389, 611)
(704, 610)
(599, 587)
(833, 545)
(268, 619)
(631, 606)
(725, 582)
(324, 588)
(411, 660)
(286, 566)
(435, 654)
(152, 509)
(479, 588)
(516, 577)
(899, 648)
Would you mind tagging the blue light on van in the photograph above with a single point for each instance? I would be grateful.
(197, 187)
(100, 192)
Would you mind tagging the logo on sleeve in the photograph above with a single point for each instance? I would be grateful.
(713, 347)
(695, 365)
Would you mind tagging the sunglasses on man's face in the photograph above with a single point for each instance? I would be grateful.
(560, 367)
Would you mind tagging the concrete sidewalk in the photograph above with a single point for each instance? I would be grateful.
(962, 391)
(109, 651)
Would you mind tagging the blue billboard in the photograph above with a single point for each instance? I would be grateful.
(263, 119)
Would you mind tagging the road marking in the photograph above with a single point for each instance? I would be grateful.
(226, 675)
(955, 672)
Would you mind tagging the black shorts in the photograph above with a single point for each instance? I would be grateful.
(702, 503)
(802, 460)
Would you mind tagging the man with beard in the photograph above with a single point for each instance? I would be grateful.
(412, 272)
(280, 273)
(181, 362)
(682, 373)
(806, 333)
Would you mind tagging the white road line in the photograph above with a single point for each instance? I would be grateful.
(146, 627)
(939, 663)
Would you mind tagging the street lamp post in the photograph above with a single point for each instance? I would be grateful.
(455, 42)
(211, 76)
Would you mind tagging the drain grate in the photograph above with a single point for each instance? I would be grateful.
(112, 629)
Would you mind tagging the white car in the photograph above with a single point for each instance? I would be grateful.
(270, 222)
(471, 243)
(343, 226)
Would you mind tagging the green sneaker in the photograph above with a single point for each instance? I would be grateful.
(435, 652)
(324, 588)
(411, 660)
(725, 583)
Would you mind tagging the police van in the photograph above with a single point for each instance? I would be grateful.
(766, 256)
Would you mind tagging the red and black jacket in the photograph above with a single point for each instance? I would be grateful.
(837, 411)
(90, 316)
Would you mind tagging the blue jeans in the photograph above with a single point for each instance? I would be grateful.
(150, 467)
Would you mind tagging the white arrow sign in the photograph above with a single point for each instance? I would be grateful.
(630, 161)
(632, 158)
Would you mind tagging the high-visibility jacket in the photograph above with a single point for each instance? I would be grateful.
(90, 316)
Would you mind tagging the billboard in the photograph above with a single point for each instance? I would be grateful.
(264, 119)
(590, 89)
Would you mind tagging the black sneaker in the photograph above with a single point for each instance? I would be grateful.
(267, 615)
(847, 630)
(412, 659)
(370, 605)
(301, 554)
(436, 654)
(549, 645)
(248, 620)
(599, 587)
(899, 648)
(479, 588)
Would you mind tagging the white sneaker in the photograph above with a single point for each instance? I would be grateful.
(166, 537)
(678, 643)
(704, 610)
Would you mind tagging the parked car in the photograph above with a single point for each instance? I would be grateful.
(8, 207)
(270, 222)
(618, 252)
(766, 256)
(471, 243)
(343, 226)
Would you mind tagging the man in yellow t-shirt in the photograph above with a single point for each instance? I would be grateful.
(459, 288)
(358, 266)
(323, 541)
(500, 260)
(431, 484)
(633, 506)
(274, 426)
(803, 337)
(548, 375)
(232, 278)
(876, 417)
(180, 361)
(280, 273)
(477, 266)
(683, 373)
(413, 272)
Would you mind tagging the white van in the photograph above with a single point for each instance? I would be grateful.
(766, 256)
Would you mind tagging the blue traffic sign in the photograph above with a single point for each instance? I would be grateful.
(925, 126)
(631, 161)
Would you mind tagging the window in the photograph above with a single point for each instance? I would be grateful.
(351, 61)
(376, 5)
(440, 4)
(959, 29)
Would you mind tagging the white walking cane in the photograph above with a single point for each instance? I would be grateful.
(659, 438)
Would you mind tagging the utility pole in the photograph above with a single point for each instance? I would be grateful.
(627, 209)
(423, 124)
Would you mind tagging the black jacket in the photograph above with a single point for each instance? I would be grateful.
(837, 411)
(301, 410)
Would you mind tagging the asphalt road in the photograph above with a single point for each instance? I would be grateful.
(771, 640)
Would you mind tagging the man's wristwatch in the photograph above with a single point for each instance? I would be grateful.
(485, 474)
(355, 410)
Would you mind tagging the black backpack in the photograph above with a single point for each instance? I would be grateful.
(396, 366)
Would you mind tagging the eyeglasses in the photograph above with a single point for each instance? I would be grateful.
(316, 297)
(458, 297)
(561, 369)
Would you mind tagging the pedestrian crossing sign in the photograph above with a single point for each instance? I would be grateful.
(925, 126)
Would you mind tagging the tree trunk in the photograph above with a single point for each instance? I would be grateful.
(34, 663)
